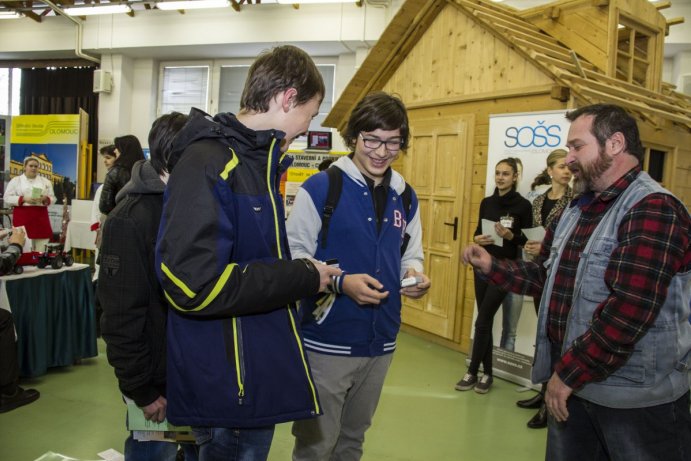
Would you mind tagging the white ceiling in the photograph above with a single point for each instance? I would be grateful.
(680, 39)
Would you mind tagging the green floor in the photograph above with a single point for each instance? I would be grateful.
(420, 417)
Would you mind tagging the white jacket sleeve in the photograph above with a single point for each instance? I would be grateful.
(13, 192)
(48, 191)
(303, 226)
(413, 256)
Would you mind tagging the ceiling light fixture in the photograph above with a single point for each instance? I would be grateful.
(10, 15)
(293, 2)
(98, 9)
(192, 5)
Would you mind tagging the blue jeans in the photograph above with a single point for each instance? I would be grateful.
(511, 313)
(595, 433)
(156, 451)
(223, 444)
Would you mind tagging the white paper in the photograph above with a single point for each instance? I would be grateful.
(112, 455)
(488, 229)
(535, 233)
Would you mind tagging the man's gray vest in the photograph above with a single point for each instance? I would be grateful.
(658, 370)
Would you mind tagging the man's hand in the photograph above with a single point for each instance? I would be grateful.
(156, 410)
(325, 274)
(556, 396)
(363, 289)
(18, 236)
(532, 247)
(478, 257)
(418, 290)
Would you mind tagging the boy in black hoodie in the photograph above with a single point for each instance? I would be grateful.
(134, 309)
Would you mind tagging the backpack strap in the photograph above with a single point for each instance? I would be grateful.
(333, 194)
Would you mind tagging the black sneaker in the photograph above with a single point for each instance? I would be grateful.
(482, 386)
(467, 383)
(20, 397)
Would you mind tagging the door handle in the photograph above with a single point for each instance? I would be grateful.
(453, 224)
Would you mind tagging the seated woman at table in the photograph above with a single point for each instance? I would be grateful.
(11, 395)
(128, 151)
(30, 194)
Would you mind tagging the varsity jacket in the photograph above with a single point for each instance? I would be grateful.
(347, 328)
(134, 309)
(657, 371)
(235, 353)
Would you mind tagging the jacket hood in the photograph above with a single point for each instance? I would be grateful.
(144, 180)
(224, 126)
(348, 166)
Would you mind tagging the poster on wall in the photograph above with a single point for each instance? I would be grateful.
(529, 137)
(54, 141)
(305, 164)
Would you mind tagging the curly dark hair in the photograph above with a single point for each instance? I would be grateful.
(378, 110)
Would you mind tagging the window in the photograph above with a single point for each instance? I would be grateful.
(232, 82)
(10, 84)
(634, 51)
(656, 163)
(184, 87)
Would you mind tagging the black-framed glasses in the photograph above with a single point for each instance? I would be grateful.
(391, 145)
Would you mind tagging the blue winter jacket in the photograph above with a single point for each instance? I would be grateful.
(235, 352)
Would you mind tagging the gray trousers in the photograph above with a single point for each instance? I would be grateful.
(349, 390)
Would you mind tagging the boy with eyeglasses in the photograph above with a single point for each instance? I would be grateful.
(350, 334)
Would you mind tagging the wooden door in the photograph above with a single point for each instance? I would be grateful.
(437, 165)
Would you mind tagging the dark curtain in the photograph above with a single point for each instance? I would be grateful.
(61, 91)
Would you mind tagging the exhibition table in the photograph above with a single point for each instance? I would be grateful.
(54, 316)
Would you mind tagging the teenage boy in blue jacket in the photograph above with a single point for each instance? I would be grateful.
(236, 362)
(350, 335)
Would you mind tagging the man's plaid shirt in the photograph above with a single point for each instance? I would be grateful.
(654, 238)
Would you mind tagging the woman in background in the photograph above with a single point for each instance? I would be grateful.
(128, 151)
(30, 194)
(510, 212)
(546, 208)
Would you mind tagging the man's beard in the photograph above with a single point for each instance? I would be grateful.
(589, 173)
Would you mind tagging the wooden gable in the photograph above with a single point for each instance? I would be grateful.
(600, 32)
(480, 41)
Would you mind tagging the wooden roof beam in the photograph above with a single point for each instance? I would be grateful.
(495, 10)
(652, 102)
(673, 22)
(592, 75)
(662, 5)
(24, 8)
(555, 53)
(553, 13)
(635, 105)
(516, 24)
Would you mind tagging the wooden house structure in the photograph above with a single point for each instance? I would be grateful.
(455, 62)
